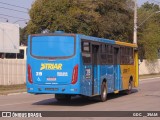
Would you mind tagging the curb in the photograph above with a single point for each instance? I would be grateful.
(17, 93)
(148, 78)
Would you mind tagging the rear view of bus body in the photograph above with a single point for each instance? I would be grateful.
(73, 64)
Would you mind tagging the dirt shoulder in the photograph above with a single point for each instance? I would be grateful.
(7, 89)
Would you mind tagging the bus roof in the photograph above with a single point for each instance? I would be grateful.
(104, 40)
(107, 41)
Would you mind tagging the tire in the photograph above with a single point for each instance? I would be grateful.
(130, 86)
(62, 98)
(103, 96)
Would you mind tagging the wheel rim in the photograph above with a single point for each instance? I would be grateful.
(130, 86)
(104, 92)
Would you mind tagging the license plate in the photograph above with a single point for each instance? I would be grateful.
(51, 78)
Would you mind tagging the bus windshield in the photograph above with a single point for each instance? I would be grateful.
(52, 46)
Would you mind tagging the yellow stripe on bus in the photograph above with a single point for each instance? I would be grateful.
(126, 44)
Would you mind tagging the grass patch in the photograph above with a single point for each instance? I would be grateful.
(12, 87)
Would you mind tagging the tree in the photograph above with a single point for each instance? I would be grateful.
(150, 6)
(23, 35)
(110, 19)
(149, 32)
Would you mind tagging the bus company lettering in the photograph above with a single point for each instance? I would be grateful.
(53, 66)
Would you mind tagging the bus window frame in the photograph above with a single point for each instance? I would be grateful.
(86, 52)
(90, 52)
(110, 53)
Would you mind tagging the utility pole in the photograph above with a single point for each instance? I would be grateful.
(135, 23)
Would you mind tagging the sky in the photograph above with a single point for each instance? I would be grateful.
(19, 15)
(140, 2)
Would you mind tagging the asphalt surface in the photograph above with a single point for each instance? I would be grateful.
(144, 98)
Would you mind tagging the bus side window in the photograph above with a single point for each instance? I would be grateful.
(103, 55)
(20, 55)
(86, 58)
(85, 46)
(131, 61)
(86, 52)
(126, 55)
(122, 55)
(110, 54)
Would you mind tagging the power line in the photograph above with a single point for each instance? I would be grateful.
(14, 5)
(14, 10)
(4, 18)
(20, 20)
(13, 17)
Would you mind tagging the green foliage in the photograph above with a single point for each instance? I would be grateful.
(111, 19)
(150, 6)
(23, 35)
(149, 32)
(151, 41)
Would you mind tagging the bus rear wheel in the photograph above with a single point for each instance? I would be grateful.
(62, 97)
(129, 91)
(103, 96)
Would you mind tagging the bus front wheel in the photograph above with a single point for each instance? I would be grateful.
(62, 97)
(103, 96)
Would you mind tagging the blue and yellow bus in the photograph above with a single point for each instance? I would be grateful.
(74, 64)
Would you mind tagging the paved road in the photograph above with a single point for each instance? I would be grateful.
(145, 98)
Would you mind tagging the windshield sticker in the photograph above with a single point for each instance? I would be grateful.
(47, 66)
(38, 79)
(88, 73)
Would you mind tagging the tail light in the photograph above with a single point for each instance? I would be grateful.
(30, 74)
(75, 74)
